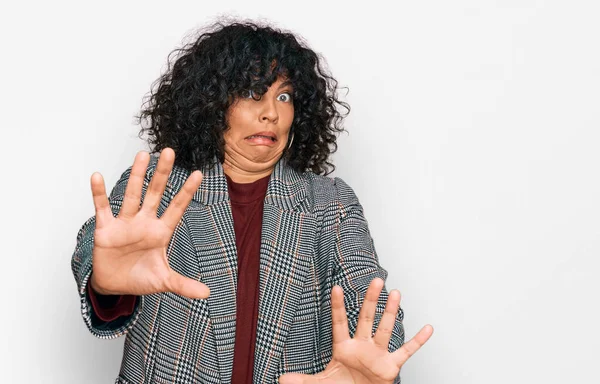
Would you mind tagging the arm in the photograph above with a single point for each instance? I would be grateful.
(356, 264)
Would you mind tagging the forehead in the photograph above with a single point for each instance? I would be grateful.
(282, 82)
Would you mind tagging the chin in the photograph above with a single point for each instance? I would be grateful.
(266, 158)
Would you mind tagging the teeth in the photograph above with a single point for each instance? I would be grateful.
(266, 137)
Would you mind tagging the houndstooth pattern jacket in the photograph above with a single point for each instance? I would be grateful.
(314, 236)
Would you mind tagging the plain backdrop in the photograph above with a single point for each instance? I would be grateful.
(473, 145)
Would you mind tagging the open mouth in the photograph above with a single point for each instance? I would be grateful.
(262, 137)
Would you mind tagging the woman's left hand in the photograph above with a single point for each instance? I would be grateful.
(364, 358)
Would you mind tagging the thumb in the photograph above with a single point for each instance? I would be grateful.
(187, 287)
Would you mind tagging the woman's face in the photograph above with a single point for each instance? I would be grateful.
(258, 129)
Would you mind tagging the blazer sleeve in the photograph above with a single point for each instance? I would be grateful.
(81, 265)
(357, 264)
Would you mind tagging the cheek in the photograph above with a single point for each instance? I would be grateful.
(229, 136)
(288, 116)
(240, 119)
(235, 129)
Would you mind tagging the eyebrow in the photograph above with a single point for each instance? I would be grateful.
(284, 84)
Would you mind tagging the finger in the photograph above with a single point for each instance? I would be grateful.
(101, 204)
(180, 202)
(388, 320)
(408, 349)
(187, 287)
(339, 321)
(133, 192)
(301, 378)
(364, 327)
(156, 189)
(293, 378)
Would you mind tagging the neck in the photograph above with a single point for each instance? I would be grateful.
(244, 176)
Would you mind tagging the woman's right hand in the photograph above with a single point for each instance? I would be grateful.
(130, 250)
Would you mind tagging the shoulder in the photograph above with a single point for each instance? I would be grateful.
(178, 174)
(331, 192)
(175, 181)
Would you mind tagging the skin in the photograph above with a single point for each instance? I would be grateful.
(247, 160)
(129, 255)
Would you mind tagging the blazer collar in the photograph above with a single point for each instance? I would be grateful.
(286, 188)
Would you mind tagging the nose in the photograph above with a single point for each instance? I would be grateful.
(269, 110)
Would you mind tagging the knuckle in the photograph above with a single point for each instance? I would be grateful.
(177, 202)
(131, 196)
(367, 317)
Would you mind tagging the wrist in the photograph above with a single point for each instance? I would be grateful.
(95, 288)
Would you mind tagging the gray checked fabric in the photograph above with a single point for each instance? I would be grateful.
(314, 236)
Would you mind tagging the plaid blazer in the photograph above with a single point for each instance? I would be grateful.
(314, 236)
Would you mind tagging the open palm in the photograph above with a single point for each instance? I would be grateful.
(130, 250)
(364, 358)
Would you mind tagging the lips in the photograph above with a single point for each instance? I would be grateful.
(263, 135)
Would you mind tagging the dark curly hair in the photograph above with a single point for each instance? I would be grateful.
(186, 108)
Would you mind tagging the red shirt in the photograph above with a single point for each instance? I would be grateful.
(247, 203)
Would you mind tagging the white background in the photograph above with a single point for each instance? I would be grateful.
(474, 148)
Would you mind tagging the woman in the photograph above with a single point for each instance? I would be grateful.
(244, 262)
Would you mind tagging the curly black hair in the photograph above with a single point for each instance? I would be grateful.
(186, 108)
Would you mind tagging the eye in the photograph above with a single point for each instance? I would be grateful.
(249, 94)
(288, 99)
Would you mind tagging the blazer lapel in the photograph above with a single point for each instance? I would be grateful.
(287, 248)
(213, 236)
(286, 253)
